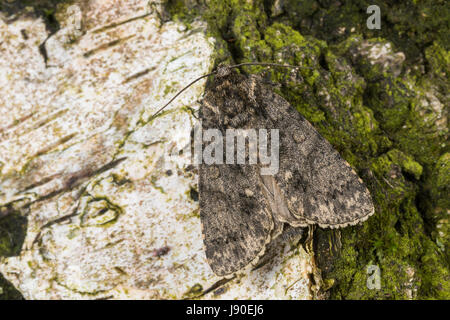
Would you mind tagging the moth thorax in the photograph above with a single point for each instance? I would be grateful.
(223, 70)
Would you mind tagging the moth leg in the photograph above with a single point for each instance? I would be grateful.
(289, 235)
(310, 239)
(316, 282)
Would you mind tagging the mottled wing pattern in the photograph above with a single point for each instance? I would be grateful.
(236, 224)
(236, 218)
(319, 186)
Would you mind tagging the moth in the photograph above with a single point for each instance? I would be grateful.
(242, 208)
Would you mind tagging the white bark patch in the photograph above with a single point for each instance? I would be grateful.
(112, 219)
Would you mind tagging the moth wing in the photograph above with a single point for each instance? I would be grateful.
(236, 223)
(317, 184)
(236, 219)
(279, 205)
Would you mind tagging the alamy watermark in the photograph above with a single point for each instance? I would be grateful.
(238, 146)
(374, 20)
(374, 277)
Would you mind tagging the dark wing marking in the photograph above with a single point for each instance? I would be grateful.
(319, 186)
(236, 224)
(236, 219)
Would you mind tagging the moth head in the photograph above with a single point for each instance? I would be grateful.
(223, 70)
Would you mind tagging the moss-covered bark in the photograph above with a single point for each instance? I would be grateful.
(381, 98)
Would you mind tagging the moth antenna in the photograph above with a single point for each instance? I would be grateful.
(268, 64)
(180, 92)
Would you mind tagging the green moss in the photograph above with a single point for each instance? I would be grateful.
(441, 176)
(100, 212)
(12, 234)
(7, 290)
(193, 292)
(395, 239)
(435, 273)
(439, 60)
(408, 24)
(407, 163)
(379, 111)
(390, 100)
(436, 203)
